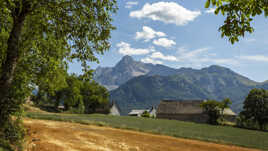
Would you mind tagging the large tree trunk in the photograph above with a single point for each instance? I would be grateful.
(8, 66)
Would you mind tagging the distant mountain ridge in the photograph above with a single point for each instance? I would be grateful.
(142, 85)
(128, 68)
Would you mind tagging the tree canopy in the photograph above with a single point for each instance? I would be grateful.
(215, 109)
(239, 16)
(39, 37)
(77, 96)
(256, 107)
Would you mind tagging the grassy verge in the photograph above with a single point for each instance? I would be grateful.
(4, 146)
(218, 134)
(3, 149)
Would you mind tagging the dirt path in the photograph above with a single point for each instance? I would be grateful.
(62, 136)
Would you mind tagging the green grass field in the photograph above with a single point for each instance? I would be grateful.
(204, 132)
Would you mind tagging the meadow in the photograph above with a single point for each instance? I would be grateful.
(218, 134)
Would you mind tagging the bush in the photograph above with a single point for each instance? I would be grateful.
(4, 146)
(243, 122)
(12, 134)
(145, 114)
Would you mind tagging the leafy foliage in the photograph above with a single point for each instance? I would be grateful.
(225, 103)
(239, 16)
(210, 107)
(37, 40)
(145, 114)
(95, 98)
(78, 96)
(215, 109)
(255, 109)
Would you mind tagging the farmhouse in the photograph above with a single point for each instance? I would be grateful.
(187, 110)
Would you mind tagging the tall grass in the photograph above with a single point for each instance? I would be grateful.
(204, 132)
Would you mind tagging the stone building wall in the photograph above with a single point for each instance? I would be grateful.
(198, 118)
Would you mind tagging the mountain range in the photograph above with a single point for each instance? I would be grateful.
(137, 85)
(126, 69)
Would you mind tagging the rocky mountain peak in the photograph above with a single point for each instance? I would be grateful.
(126, 60)
(218, 69)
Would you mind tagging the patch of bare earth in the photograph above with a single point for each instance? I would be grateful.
(62, 136)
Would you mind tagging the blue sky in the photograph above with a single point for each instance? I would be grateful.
(182, 33)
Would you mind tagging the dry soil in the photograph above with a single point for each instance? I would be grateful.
(62, 136)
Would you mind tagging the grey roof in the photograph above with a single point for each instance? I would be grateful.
(136, 112)
(180, 107)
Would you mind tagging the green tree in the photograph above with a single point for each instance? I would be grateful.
(39, 37)
(211, 108)
(256, 108)
(80, 95)
(225, 103)
(71, 95)
(95, 97)
(215, 109)
(239, 16)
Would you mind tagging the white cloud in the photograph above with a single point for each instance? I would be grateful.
(164, 42)
(159, 55)
(125, 49)
(130, 4)
(184, 54)
(210, 11)
(259, 58)
(167, 12)
(197, 58)
(202, 57)
(150, 60)
(148, 33)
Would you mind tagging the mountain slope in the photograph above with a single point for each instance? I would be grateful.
(141, 85)
(126, 69)
(214, 82)
(146, 91)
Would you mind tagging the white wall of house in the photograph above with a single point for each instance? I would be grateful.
(114, 111)
(153, 112)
